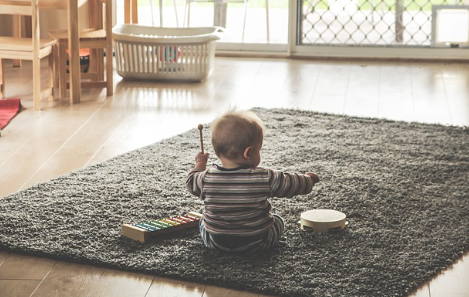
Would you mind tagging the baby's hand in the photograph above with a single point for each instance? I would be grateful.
(201, 160)
(314, 176)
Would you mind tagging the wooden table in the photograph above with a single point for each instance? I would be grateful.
(72, 7)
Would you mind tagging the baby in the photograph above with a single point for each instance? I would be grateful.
(237, 215)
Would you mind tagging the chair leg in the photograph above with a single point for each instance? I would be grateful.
(63, 75)
(2, 79)
(127, 13)
(56, 65)
(100, 63)
(37, 83)
(109, 71)
(96, 65)
(134, 12)
(17, 33)
(51, 62)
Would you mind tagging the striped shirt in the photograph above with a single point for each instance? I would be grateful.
(236, 200)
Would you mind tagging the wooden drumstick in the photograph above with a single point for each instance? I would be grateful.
(201, 137)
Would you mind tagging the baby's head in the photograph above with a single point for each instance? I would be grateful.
(236, 131)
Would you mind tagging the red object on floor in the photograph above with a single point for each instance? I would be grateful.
(9, 108)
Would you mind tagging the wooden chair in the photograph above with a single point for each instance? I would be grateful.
(96, 39)
(33, 49)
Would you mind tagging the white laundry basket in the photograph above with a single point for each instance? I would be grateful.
(185, 54)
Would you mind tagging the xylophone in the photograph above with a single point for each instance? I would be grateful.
(146, 230)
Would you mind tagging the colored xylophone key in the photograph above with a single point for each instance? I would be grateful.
(146, 230)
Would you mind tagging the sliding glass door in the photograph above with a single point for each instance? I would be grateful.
(380, 28)
(320, 28)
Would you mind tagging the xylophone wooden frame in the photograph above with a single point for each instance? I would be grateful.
(135, 232)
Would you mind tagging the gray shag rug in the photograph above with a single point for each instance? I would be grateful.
(403, 186)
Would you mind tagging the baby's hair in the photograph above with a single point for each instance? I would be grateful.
(234, 131)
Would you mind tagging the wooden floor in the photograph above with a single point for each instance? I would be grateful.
(39, 145)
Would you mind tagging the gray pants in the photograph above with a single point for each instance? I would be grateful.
(270, 239)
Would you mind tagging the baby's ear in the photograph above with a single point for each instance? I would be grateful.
(247, 153)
